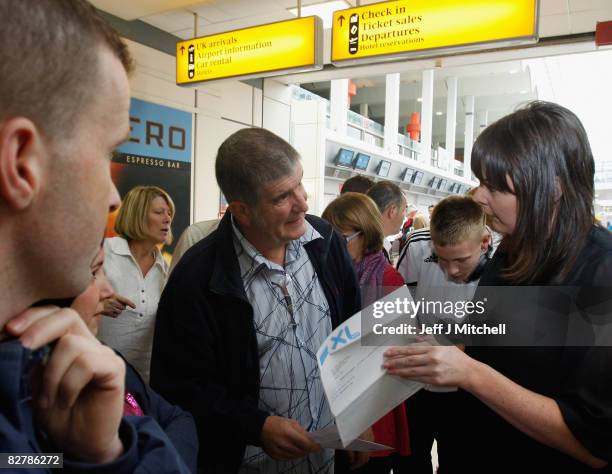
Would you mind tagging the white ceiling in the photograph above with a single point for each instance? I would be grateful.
(557, 17)
(135, 9)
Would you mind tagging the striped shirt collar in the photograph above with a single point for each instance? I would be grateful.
(292, 252)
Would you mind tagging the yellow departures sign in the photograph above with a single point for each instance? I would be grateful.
(259, 51)
(407, 28)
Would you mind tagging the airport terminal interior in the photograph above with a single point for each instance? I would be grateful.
(410, 120)
(274, 284)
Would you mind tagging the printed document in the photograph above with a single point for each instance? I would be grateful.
(358, 389)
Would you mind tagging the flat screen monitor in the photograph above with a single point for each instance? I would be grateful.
(361, 161)
(383, 168)
(407, 175)
(418, 177)
(344, 158)
(434, 183)
(442, 185)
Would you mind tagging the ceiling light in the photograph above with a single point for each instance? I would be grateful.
(323, 10)
(523, 92)
(514, 71)
(438, 113)
(420, 99)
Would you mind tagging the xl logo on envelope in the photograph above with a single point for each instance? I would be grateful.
(343, 337)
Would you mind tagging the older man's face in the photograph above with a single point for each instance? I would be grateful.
(281, 209)
(78, 192)
(399, 217)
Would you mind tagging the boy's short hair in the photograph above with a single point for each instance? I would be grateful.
(455, 220)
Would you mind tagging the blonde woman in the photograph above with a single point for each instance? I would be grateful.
(137, 270)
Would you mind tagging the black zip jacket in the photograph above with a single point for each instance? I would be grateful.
(205, 356)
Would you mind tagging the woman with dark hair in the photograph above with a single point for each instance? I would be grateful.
(536, 409)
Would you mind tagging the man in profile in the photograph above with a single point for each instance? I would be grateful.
(392, 205)
(64, 101)
(245, 311)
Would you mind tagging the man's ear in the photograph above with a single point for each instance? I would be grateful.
(485, 242)
(241, 212)
(391, 211)
(21, 153)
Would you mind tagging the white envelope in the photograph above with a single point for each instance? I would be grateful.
(358, 389)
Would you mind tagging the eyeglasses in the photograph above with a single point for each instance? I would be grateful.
(352, 236)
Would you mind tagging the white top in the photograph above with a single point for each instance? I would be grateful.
(387, 243)
(191, 236)
(131, 333)
(418, 264)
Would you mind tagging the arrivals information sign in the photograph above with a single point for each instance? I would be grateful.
(409, 28)
(259, 51)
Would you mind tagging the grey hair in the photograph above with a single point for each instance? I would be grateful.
(385, 194)
(251, 158)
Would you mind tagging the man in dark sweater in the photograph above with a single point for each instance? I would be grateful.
(64, 107)
(244, 312)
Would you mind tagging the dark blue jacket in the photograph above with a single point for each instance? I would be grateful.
(176, 423)
(147, 448)
(205, 355)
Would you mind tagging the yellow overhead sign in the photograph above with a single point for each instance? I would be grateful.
(259, 51)
(404, 28)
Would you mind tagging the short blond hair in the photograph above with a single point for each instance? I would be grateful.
(359, 212)
(455, 220)
(419, 221)
(131, 223)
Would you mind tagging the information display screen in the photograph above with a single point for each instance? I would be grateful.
(383, 168)
(361, 161)
(345, 158)
(406, 176)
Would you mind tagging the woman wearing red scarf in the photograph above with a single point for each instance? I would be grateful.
(357, 218)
